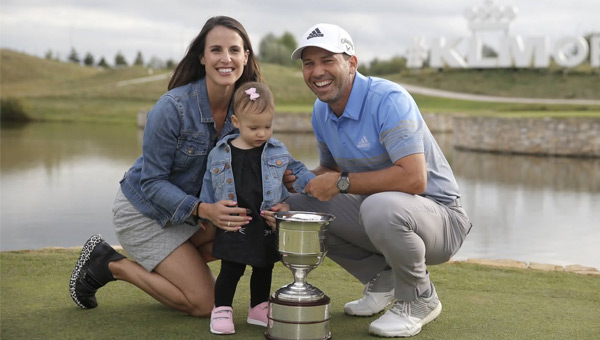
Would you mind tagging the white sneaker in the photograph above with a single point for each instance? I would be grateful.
(371, 302)
(406, 319)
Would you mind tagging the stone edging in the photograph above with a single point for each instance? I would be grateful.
(573, 137)
(554, 136)
(575, 268)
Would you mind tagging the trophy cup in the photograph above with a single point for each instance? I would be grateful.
(299, 310)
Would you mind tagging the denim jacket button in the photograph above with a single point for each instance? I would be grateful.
(230, 196)
(227, 149)
(191, 151)
(216, 170)
(278, 162)
(268, 192)
(229, 181)
(227, 166)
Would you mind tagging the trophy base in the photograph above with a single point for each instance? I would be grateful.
(298, 320)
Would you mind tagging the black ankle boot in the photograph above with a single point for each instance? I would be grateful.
(91, 271)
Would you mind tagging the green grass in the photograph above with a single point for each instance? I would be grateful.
(581, 82)
(478, 303)
(455, 106)
(57, 91)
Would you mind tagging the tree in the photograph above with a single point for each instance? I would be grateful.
(102, 63)
(88, 60)
(277, 50)
(170, 64)
(48, 55)
(156, 63)
(139, 60)
(382, 67)
(120, 60)
(73, 56)
(288, 40)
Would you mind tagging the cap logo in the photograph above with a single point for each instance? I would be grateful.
(348, 43)
(316, 33)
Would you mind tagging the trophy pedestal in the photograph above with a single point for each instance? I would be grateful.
(300, 311)
(298, 320)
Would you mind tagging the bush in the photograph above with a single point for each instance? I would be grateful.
(11, 110)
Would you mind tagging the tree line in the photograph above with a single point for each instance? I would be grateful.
(118, 61)
(272, 49)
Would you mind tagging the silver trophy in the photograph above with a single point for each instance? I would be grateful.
(299, 310)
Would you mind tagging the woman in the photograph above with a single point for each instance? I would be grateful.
(157, 212)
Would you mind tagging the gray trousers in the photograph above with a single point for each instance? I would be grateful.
(394, 230)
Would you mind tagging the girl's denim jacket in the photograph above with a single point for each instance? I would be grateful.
(220, 185)
(165, 181)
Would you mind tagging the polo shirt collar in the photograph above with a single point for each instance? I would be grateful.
(360, 87)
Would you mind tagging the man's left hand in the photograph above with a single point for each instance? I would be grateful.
(324, 186)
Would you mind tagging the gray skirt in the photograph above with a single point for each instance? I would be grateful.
(144, 239)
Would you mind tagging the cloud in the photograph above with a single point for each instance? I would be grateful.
(380, 28)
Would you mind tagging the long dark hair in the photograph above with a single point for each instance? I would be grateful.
(190, 68)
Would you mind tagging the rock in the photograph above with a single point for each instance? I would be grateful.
(578, 269)
(546, 266)
(499, 263)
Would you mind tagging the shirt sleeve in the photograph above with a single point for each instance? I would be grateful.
(401, 126)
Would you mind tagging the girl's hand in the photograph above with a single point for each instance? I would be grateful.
(288, 180)
(224, 214)
(269, 215)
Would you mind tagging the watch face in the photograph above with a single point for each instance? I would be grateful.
(343, 184)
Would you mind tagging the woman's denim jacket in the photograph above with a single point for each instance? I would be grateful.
(220, 185)
(165, 181)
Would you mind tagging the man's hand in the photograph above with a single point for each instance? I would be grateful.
(288, 180)
(324, 186)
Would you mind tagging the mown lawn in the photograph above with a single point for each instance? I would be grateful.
(478, 303)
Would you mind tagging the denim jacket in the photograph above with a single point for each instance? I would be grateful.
(220, 185)
(164, 182)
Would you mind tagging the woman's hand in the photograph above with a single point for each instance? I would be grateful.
(224, 214)
(269, 215)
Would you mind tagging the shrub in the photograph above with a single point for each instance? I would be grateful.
(11, 110)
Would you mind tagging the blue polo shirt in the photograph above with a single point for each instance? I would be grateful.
(380, 125)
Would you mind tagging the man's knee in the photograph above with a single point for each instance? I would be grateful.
(380, 209)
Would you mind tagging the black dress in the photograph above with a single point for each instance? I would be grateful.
(255, 244)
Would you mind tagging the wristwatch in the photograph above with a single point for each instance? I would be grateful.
(343, 183)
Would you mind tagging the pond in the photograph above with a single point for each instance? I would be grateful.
(58, 183)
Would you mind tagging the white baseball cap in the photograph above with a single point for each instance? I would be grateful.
(327, 36)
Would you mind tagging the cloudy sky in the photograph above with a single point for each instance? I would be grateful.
(380, 28)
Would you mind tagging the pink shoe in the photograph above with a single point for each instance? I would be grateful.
(221, 320)
(258, 314)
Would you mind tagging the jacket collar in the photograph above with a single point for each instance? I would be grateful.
(271, 142)
(204, 107)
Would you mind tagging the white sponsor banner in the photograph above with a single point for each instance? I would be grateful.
(512, 51)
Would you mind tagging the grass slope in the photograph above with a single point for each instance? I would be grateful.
(478, 303)
(58, 91)
(581, 82)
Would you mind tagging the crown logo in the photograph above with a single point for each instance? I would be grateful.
(490, 16)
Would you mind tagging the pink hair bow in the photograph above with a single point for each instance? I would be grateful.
(252, 93)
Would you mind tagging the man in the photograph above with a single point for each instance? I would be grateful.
(384, 177)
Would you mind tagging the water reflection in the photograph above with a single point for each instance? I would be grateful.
(58, 182)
